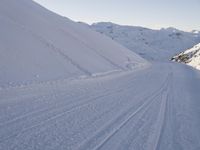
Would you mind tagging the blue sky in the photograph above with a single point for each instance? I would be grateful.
(182, 14)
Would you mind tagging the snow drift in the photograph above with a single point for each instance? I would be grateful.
(39, 45)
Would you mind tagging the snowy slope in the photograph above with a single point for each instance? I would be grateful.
(38, 45)
(150, 44)
(190, 57)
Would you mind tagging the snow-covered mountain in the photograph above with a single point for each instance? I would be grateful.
(190, 57)
(150, 44)
(39, 45)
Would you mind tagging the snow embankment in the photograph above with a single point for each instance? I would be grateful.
(39, 45)
(190, 57)
(150, 44)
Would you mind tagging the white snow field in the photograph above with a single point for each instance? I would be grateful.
(154, 45)
(38, 45)
(66, 87)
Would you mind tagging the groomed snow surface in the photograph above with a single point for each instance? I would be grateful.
(146, 109)
(66, 87)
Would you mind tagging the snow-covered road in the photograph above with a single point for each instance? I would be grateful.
(153, 108)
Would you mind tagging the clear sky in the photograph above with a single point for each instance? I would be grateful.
(182, 14)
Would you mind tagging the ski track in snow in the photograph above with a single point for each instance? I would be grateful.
(146, 109)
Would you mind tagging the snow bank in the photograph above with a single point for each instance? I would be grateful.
(39, 45)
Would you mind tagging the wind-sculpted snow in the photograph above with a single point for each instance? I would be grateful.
(145, 109)
(154, 45)
(38, 45)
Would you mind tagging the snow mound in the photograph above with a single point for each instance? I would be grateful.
(190, 57)
(39, 45)
(150, 44)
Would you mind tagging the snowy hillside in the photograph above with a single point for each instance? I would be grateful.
(150, 44)
(190, 57)
(38, 45)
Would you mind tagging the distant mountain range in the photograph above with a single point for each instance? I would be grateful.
(153, 45)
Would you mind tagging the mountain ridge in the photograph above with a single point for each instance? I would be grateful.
(153, 45)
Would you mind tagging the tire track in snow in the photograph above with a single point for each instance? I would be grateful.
(61, 105)
(58, 106)
(119, 122)
(27, 115)
(34, 99)
(68, 110)
(136, 131)
(154, 138)
(141, 111)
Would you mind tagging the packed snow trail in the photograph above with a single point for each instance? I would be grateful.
(147, 109)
